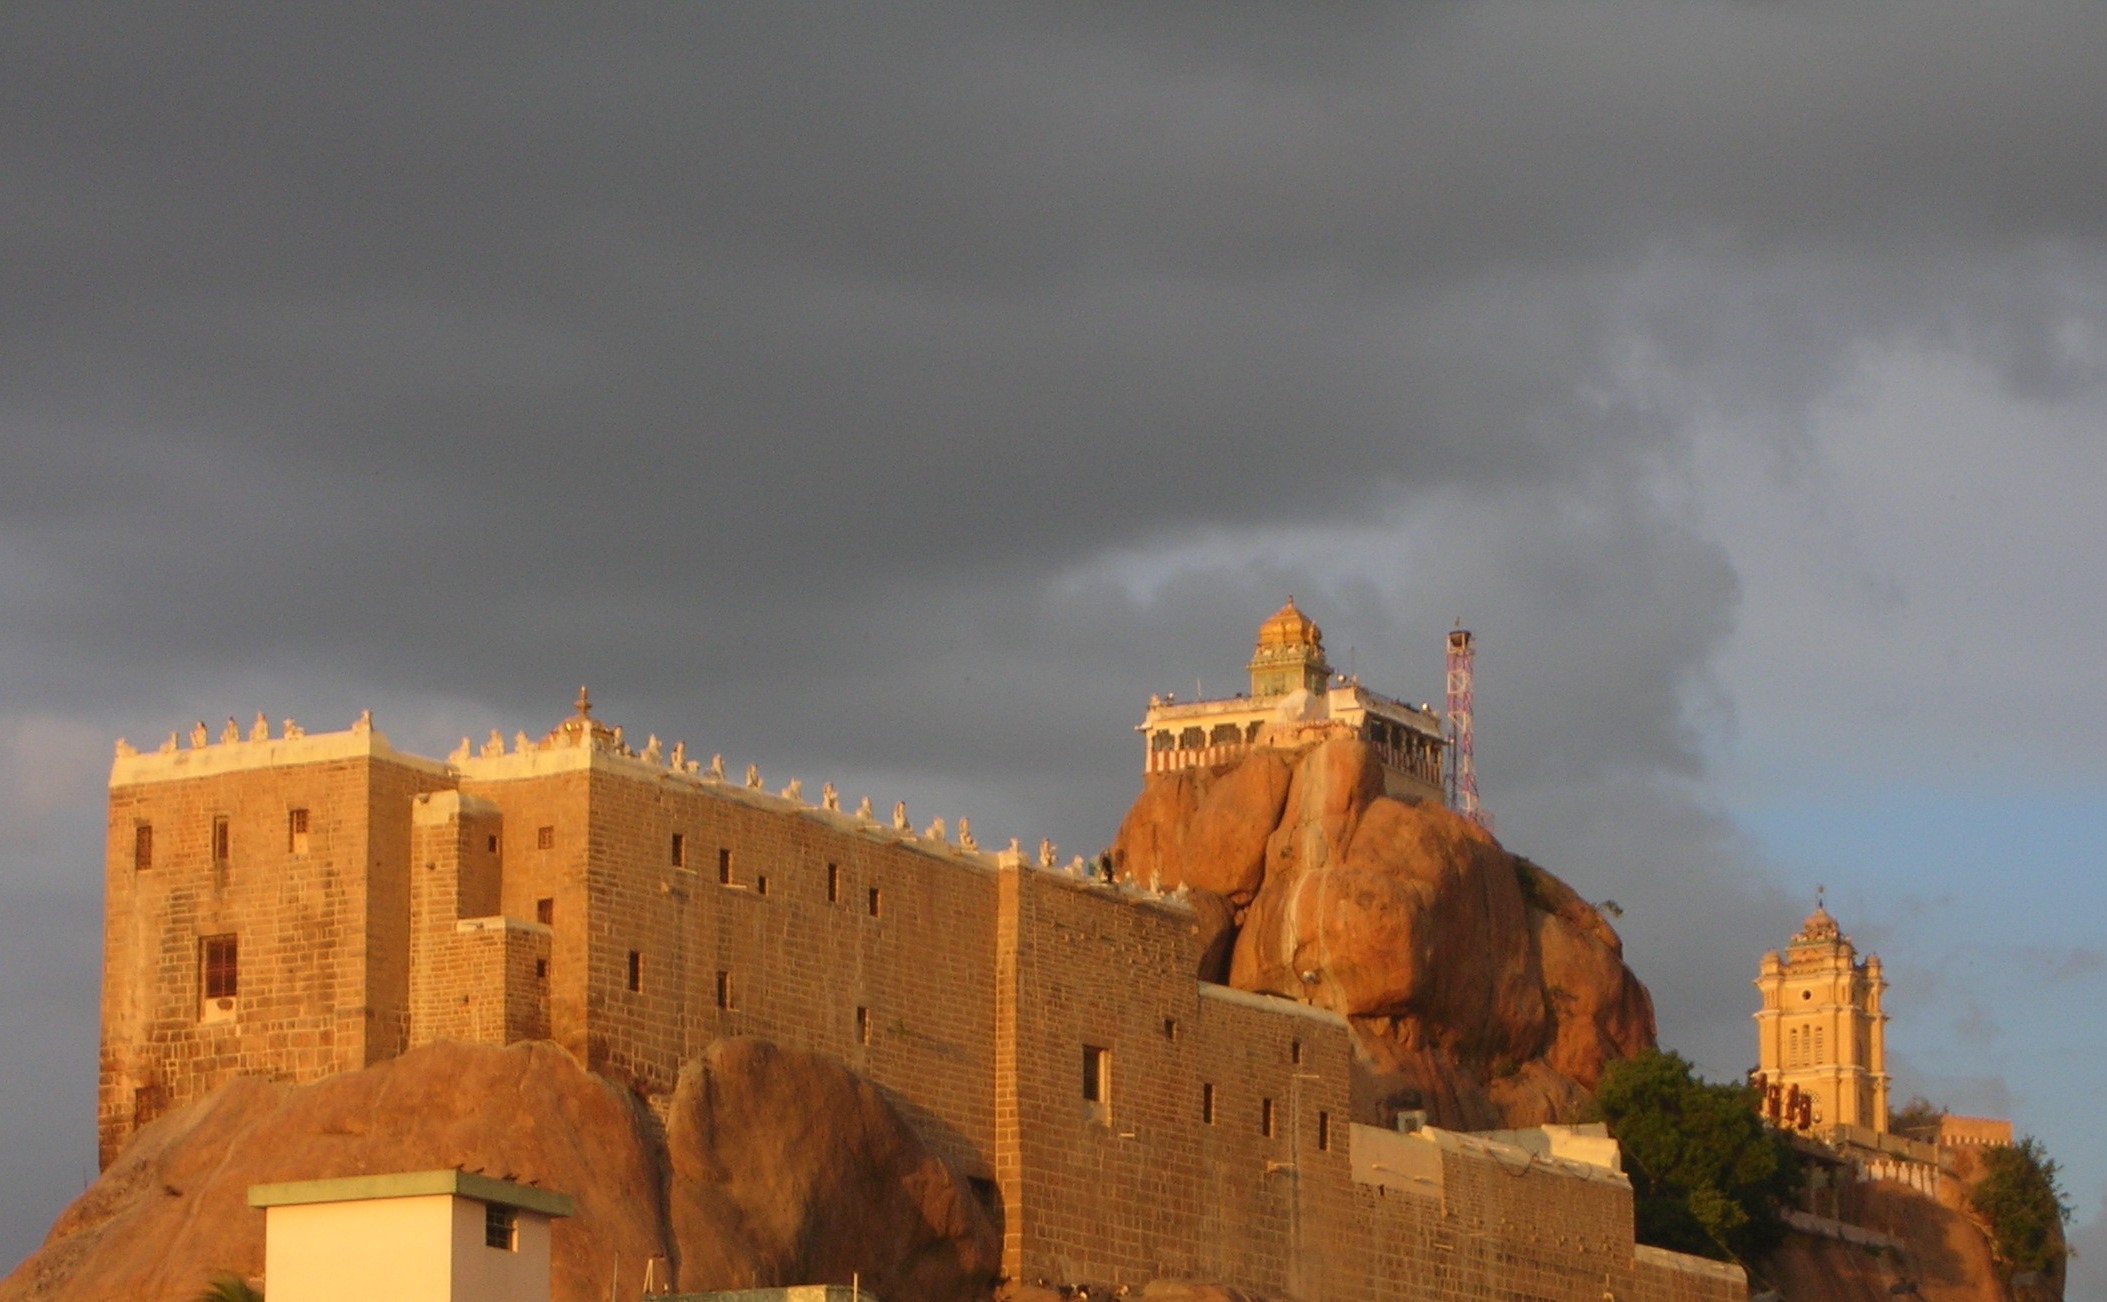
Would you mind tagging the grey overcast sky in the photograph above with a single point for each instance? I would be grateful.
(898, 396)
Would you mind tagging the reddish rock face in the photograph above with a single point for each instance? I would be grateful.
(1478, 986)
(789, 1169)
(1207, 831)
(776, 1159)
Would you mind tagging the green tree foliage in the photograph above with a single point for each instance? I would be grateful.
(1919, 1119)
(226, 1286)
(1708, 1177)
(2018, 1199)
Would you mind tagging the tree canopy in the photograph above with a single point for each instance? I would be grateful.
(1708, 1177)
(2019, 1201)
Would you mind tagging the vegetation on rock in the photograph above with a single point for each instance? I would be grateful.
(226, 1286)
(1917, 1119)
(2021, 1205)
(1708, 1177)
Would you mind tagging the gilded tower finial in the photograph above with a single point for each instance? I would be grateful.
(584, 703)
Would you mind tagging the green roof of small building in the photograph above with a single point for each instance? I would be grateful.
(412, 1184)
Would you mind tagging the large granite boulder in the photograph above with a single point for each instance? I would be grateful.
(782, 1167)
(1479, 987)
(790, 1169)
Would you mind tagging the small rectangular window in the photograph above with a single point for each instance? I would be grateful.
(863, 1025)
(833, 883)
(143, 846)
(541, 969)
(1097, 1083)
(1324, 1132)
(501, 1227)
(544, 838)
(724, 990)
(1170, 1029)
(296, 831)
(493, 843)
(1207, 1104)
(1097, 1074)
(222, 839)
(724, 866)
(221, 958)
(874, 901)
(545, 912)
(1265, 1117)
(636, 970)
(1295, 1052)
(761, 884)
(680, 850)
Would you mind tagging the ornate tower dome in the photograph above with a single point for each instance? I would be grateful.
(1289, 655)
(1821, 1032)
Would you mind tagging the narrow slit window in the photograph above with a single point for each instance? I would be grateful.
(544, 838)
(501, 1227)
(1265, 1117)
(833, 883)
(296, 831)
(863, 1025)
(1170, 1029)
(761, 884)
(541, 969)
(222, 962)
(143, 846)
(493, 843)
(724, 991)
(222, 839)
(1207, 1104)
(874, 901)
(1097, 1082)
(1324, 1132)
(636, 971)
(680, 850)
(1295, 1052)
(724, 866)
(545, 912)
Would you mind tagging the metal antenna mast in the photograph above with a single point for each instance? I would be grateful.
(1463, 770)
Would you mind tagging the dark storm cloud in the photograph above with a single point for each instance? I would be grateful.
(982, 288)
(865, 393)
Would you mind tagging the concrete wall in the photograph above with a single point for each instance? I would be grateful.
(429, 1248)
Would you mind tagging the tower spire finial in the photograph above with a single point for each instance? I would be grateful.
(584, 702)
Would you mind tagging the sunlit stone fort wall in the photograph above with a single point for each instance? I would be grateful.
(1041, 1028)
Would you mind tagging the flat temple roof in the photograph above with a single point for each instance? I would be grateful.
(412, 1184)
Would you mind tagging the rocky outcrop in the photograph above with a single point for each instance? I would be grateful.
(775, 1167)
(1479, 986)
(789, 1169)
(1940, 1256)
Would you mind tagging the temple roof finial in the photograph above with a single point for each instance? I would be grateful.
(584, 703)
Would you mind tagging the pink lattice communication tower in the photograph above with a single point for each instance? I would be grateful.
(1463, 771)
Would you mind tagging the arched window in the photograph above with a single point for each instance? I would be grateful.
(1161, 739)
(1192, 739)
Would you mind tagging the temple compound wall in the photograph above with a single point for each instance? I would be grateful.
(295, 906)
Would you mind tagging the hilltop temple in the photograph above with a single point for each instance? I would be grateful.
(1296, 699)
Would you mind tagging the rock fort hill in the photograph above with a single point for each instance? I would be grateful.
(1192, 1061)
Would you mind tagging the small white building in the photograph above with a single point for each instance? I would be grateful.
(420, 1236)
